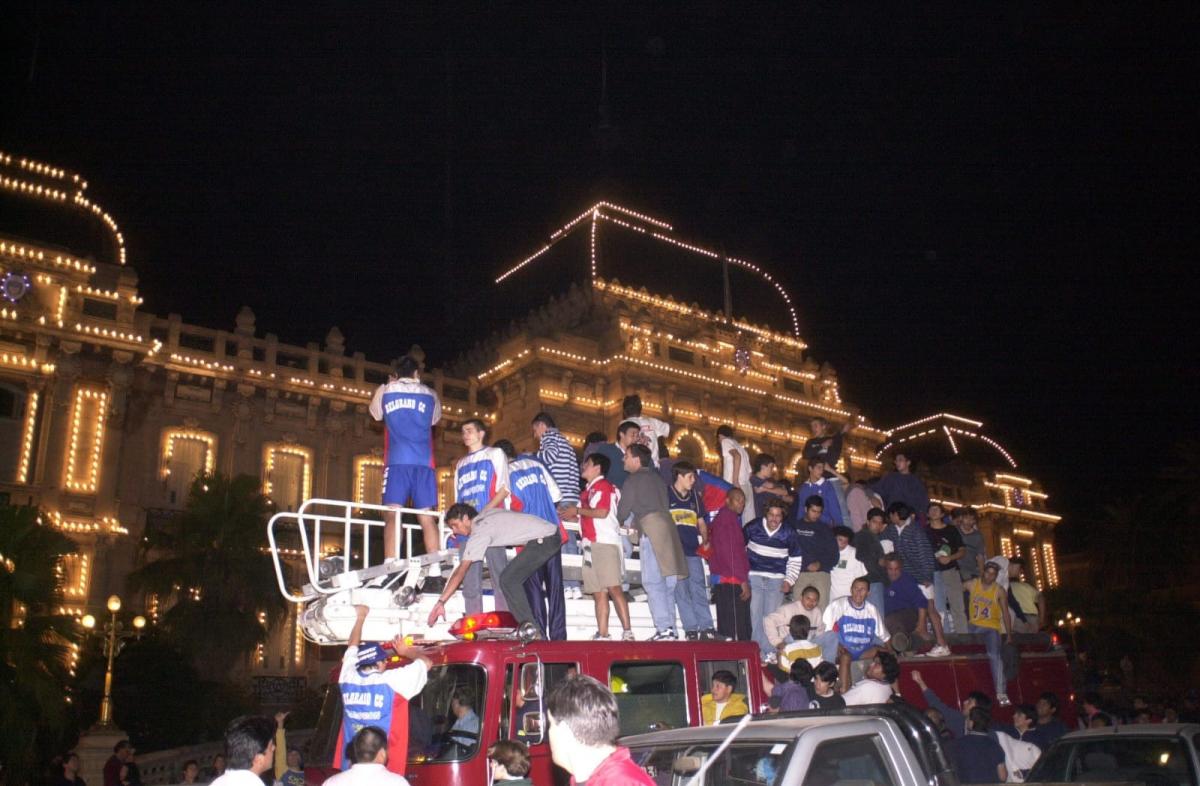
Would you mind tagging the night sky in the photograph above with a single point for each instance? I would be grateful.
(978, 208)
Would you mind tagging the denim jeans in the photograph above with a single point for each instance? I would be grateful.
(991, 642)
(828, 642)
(691, 596)
(571, 547)
(660, 589)
(947, 591)
(766, 595)
(876, 596)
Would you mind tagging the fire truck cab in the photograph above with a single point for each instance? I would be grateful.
(490, 689)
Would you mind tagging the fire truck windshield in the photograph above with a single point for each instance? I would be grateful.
(444, 721)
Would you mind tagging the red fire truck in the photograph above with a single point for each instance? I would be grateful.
(487, 683)
(501, 683)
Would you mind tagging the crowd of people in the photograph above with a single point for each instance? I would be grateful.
(583, 725)
(881, 565)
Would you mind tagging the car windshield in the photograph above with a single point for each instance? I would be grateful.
(755, 763)
(1155, 761)
(444, 721)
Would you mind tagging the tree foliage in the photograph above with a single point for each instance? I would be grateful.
(34, 642)
(212, 575)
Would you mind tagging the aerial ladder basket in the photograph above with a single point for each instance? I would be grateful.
(328, 543)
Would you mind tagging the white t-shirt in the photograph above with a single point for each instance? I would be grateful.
(868, 692)
(652, 429)
(729, 445)
(367, 775)
(848, 568)
(718, 708)
(238, 778)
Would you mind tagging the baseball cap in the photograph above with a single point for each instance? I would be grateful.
(369, 654)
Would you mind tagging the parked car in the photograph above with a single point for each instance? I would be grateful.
(1159, 754)
(883, 745)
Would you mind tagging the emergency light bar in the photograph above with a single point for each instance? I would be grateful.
(489, 624)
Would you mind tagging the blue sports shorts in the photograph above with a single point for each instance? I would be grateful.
(404, 481)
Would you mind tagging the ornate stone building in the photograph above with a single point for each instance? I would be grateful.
(107, 412)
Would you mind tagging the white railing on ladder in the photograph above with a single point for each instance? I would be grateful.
(352, 518)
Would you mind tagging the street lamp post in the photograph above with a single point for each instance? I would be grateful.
(115, 634)
(1071, 622)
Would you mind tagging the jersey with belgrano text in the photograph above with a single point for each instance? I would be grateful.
(409, 411)
(479, 475)
(534, 488)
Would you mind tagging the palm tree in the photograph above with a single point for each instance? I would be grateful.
(34, 642)
(212, 575)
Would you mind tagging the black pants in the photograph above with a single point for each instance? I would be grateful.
(733, 613)
(533, 556)
(545, 588)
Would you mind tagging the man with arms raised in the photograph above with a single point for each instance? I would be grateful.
(373, 695)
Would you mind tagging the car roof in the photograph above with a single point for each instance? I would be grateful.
(1135, 730)
(767, 729)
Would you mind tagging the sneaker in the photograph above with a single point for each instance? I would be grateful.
(938, 652)
(770, 659)
(665, 635)
(598, 636)
(691, 635)
(708, 634)
(1003, 700)
(627, 636)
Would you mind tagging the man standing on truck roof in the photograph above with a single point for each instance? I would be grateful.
(559, 457)
(644, 497)
(987, 615)
(409, 411)
(584, 724)
(373, 695)
(498, 529)
(649, 429)
(481, 481)
(913, 546)
(534, 491)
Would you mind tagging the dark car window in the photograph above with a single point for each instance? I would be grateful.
(741, 764)
(858, 759)
(650, 695)
(1156, 761)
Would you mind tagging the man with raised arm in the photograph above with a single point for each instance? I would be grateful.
(409, 411)
(374, 695)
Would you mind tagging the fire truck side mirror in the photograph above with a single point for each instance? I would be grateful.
(532, 728)
(532, 682)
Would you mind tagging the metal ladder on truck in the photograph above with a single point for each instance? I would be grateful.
(322, 554)
(323, 560)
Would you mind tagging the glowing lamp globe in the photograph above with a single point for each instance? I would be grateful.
(139, 622)
(88, 621)
(114, 604)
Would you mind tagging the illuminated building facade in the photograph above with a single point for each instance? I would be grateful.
(107, 412)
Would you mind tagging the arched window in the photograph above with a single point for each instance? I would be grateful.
(186, 453)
